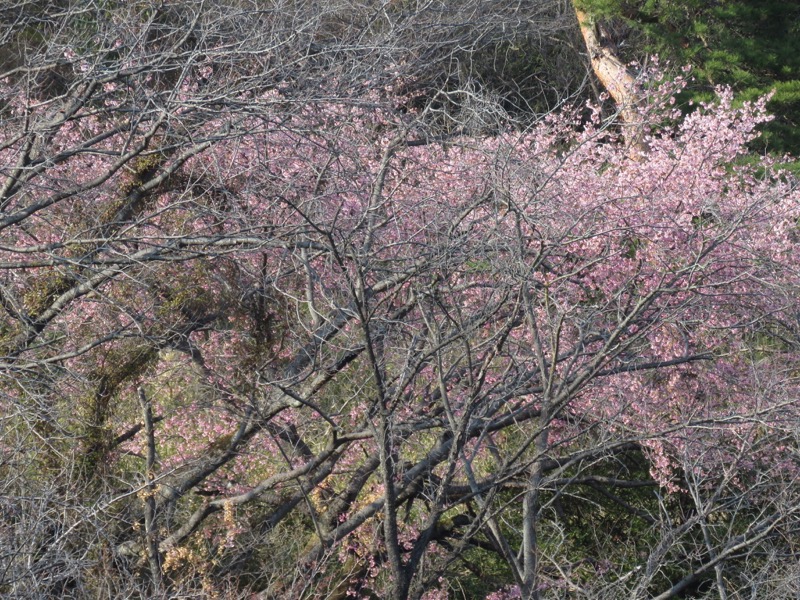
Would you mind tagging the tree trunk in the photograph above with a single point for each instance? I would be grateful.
(616, 78)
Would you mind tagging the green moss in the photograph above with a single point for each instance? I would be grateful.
(121, 365)
(43, 290)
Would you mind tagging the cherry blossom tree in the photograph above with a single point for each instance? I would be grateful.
(269, 326)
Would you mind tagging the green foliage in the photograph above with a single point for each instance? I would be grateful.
(751, 45)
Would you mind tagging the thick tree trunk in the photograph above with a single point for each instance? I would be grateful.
(616, 78)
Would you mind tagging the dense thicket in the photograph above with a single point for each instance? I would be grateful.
(309, 300)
